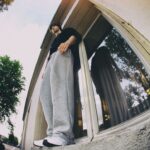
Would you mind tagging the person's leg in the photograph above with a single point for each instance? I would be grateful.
(61, 79)
(46, 98)
(46, 101)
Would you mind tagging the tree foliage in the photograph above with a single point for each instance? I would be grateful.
(133, 73)
(4, 4)
(11, 126)
(11, 140)
(2, 147)
(11, 84)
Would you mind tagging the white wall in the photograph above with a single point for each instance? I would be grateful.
(31, 120)
(135, 12)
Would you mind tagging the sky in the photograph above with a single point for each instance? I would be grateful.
(22, 30)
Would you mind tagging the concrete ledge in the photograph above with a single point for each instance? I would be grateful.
(131, 135)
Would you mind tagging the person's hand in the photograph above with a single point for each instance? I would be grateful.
(63, 47)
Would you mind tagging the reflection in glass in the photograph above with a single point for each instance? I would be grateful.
(120, 80)
(114, 104)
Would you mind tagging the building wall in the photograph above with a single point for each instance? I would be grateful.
(131, 135)
(135, 12)
(31, 121)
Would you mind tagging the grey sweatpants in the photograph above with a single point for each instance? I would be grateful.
(57, 97)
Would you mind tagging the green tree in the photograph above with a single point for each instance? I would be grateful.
(123, 53)
(11, 84)
(11, 140)
(131, 69)
(10, 126)
(2, 147)
(4, 4)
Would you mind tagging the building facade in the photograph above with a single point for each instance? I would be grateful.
(111, 101)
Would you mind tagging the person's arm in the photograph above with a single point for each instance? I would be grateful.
(63, 47)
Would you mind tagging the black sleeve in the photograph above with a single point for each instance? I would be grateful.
(70, 31)
(49, 55)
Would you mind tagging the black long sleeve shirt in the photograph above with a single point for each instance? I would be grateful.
(64, 36)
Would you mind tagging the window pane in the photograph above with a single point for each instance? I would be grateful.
(80, 128)
(120, 82)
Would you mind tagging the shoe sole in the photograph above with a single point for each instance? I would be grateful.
(47, 144)
(38, 145)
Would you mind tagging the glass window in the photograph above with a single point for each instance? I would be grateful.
(80, 128)
(120, 82)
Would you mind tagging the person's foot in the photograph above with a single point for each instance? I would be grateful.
(39, 143)
(51, 142)
(47, 144)
(56, 141)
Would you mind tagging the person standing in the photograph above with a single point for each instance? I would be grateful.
(57, 92)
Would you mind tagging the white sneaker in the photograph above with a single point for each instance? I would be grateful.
(57, 141)
(39, 143)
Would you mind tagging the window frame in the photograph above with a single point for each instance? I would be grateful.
(141, 53)
(87, 99)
